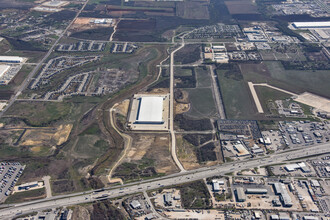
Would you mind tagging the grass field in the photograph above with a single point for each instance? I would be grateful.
(39, 113)
(297, 81)
(236, 97)
(91, 146)
(181, 71)
(26, 196)
(202, 103)
(203, 77)
(266, 94)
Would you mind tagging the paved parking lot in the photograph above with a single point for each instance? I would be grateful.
(9, 175)
(299, 133)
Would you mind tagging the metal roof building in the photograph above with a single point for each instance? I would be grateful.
(240, 195)
(241, 150)
(307, 217)
(256, 191)
(318, 24)
(11, 59)
(3, 69)
(150, 110)
(283, 193)
(135, 204)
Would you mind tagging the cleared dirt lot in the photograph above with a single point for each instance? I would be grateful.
(155, 147)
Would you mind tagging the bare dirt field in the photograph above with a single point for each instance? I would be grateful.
(155, 147)
(123, 106)
(47, 136)
(315, 101)
(82, 24)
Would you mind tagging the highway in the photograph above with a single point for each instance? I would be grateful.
(174, 179)
(38, 66)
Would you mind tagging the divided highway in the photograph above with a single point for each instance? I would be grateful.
(170, 180)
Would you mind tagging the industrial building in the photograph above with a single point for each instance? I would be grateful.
(311, 25)
(3, 70)
(307, 217)
(292, 167)
(240, 195)
(149, 112)
(11, 59)
(281, 190)
(135, 204)
(167, 199)
(256, 191)
(241, 150)
(216, 185)
(7, 73)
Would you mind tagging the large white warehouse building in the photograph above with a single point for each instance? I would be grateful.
(312, 25)
(149, 112)
(11, 59)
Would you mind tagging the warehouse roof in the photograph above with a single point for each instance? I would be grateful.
(312, 24)
(11, 58)
(3, 69)
(150, 110)
(241, 150)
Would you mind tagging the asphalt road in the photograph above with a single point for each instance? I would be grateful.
(174, 179)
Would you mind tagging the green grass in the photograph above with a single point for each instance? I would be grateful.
(297, 81)
(93, 129)
(25, 196)
(236, 97)
(202, 103)
(179, 71)
(266, 94)
(39, 113)
(203, 77)
(91, 146)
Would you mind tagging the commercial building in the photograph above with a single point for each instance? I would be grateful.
(167, 199)
(307, 217)
(240, 195)
(28, 185)
(292, 167)
(315, 183)
(241, 150)
(281, 190)
(3, 70)
(11, 59)
(312, 25)
(256, 191)
(149, 112)
(135, 204)
(216, 185)
(7, 73)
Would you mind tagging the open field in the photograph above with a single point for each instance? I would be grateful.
(26, 196)
(241, 7)
(266, 95)
(94, 34)
(201, 103)
(237, 98)
(39, 113)
(149, 156)
(203, 77)
(296, 81)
